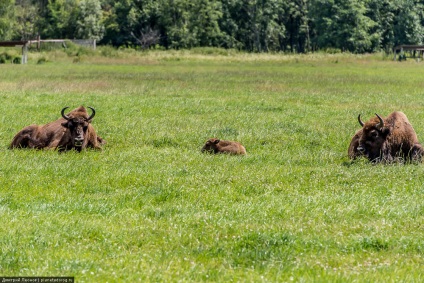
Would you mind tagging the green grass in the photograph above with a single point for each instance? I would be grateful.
(152, 207)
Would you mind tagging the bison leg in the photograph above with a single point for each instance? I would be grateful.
(93, 140)
(20, 141)
(417, 152)
(100, 140)
(24, 138)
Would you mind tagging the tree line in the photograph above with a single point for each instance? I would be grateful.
(356, 26)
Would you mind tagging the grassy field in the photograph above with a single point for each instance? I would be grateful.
(152, 207)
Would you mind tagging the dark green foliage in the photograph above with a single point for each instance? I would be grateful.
(373, 244)
(42, 60)
(17, 60)
(299, 26)
(9, 57)
(343, 25)
(6, 19)
(2, 58)
(55, 20)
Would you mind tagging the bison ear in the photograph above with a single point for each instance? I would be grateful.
(385, 130)
(65, 124)
(216, 141)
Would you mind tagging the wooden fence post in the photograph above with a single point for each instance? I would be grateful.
(24, 59)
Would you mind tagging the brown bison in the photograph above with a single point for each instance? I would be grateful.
(72, 131)
(386, 140)
(220, 146)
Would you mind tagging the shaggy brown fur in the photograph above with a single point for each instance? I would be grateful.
(387, 140)
(353, 151)
(220, 146)
(72, 131)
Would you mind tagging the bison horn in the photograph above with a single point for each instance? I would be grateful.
(360, 121)
(92, 114)
(381, 124)
(63, 113)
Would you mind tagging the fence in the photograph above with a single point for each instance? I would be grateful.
(85, 42)
(25, 44)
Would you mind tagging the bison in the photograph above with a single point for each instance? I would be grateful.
(72, 131)
(386, 140)
(220, 146)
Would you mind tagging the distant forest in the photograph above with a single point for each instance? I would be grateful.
(356, 26)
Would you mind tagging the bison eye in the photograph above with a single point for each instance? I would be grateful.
(84, 128)
(372, 136)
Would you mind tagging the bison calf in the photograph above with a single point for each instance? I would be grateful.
(221, 146)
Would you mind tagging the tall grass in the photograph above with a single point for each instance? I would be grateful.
(152, 207)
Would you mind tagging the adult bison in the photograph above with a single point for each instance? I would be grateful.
(72, 131)
(220, 146)
(386, 140)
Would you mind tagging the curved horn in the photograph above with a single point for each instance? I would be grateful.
(63, 113)
(360, 121)
(381, 124)
(92, 114)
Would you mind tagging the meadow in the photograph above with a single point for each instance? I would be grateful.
(151, 207)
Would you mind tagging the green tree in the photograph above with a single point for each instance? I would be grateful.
(343, 24)
(60, 19)
(204, 22)
(254, 25)
(397, 22)
(147, 31)
(229, 27)
(408, 19)
(174, 22)
(382, 12)
(26, 19)
(89, 23)
(297, 25)
(186, 24)
(272, 30)
(121, 19)
(6, 19)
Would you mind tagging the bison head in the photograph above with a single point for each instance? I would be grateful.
(210, 145)
(77, 124)
(374, 134)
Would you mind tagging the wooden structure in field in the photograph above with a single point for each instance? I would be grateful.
(413, 50)
(23, 44)
(38, 41)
